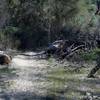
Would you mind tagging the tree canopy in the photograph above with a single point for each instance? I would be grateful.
(27, 24)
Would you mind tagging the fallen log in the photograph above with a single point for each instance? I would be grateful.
(78, 47)
(36, 54)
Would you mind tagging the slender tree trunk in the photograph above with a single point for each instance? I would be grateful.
(49, 33)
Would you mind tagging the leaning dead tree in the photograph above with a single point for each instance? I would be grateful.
(98, 7)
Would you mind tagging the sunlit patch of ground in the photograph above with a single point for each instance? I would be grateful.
(20, 85)
(28, 80)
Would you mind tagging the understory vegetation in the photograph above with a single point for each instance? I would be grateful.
(69, 82)
(29, 24)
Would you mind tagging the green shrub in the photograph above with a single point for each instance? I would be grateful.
(90, 56)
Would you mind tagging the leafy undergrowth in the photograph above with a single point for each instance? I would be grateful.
(69, 83)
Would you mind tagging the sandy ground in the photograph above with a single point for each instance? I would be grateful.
(29, 81)
(29, 78)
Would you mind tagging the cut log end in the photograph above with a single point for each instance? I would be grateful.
(5, 59)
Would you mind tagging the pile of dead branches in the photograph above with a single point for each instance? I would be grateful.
(63, 48)
(60, 49)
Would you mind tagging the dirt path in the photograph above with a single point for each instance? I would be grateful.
(33, 79)
(28, 82)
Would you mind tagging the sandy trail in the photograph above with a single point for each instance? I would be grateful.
(29, 78)
(29, 83)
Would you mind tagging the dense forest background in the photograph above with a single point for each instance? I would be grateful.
(29, 24)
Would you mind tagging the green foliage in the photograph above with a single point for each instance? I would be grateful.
(40, 20)
(35, 23)
(10, 29)
(90, 56)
